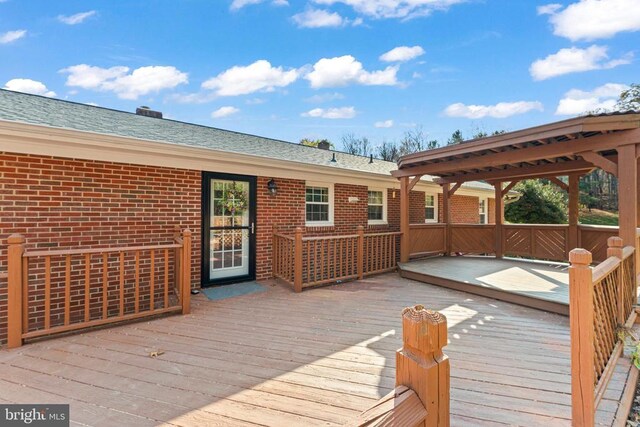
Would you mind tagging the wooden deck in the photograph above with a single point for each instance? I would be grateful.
(535, 284)
(318, 358)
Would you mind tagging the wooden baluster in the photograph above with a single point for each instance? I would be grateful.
(25, 294)
(152, 279)
(105, 285)
(87, 287)
(582, 338)
(14, 290)
(615, 248)
(67, 290)
(322, 259)
(297, 269)
(360, 253)
(136, 302)
(166, 278)
(47, 292)
(121, 283)
(422, 366)
(186, 267)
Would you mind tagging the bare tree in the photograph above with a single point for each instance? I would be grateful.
(357, 146)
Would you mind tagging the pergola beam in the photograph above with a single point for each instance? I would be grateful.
(554, 150)
(508, 188)
(600, 161)
(552, 169)
(563, 185)
(414, 181)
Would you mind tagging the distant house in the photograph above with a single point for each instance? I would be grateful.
(74, 175)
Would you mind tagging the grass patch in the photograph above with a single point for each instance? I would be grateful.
(598, 217)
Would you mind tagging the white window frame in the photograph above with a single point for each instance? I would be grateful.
(435, 207)
(382, 221)
(328, 223)
(486, 210)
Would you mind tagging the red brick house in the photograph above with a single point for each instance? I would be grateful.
(74, 175)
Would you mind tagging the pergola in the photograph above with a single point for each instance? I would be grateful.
(570, 148)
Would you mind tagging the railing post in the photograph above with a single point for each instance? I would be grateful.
(582, 338)
(14, 290)
(615, 248)
(186, 272)
(360, 255)
(421, 365)
(274, 250)
(297, 263)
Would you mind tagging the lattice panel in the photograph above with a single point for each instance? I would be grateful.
(605, 303)
(550, 244)
(628, 271)
(595, 241)
(473, 239)
(518, 241)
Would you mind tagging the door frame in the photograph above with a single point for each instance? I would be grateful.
(205, 211)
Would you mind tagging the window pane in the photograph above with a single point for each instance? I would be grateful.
(375, 197)
(429, 213)
(375, 213)
(430, 200)
(317, 212)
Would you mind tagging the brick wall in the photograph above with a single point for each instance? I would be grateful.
(65, 203)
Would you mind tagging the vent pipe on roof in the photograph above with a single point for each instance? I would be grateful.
(148, 112)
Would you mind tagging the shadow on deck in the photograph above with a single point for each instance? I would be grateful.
(316, 358)
(536, 284)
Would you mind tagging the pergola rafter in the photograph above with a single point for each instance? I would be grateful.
(568, 148)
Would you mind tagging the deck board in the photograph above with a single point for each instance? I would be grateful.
(536, 284)
(316, 358)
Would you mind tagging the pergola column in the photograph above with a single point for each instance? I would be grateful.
(446, 218)
(405, 244)
(627, 189)
(574, 200)
(499, 203)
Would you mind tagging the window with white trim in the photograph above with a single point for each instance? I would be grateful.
(431, 208)
(482, 209)
(377, 206)
(319, 204)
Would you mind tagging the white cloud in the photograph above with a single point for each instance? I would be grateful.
(576, 102)
(324, 97)
(345, 70)
(239, 4)
(257, 77)
(331, 113)
(402, 53)
(78, 18)
(11, 36)
(29, 86)
(498, 111)
(255, 101)
(404, 9)
(549, 9)
(318, 18)
(384, 124)
(594, 19)
(141, 81)
(224, 112)
(575, 60)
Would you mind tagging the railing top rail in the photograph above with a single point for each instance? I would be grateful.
(599, 227)
(284, 236)
(549, 226)
(389, 233)
(58, 252)
(427, 225)
(471, 225)
(627, 251)
(603, 269)
(346, 236)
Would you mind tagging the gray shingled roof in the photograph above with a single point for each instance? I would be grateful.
(39, 110)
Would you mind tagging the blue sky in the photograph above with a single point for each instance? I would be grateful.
(324, 68)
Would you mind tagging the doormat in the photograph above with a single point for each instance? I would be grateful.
(235, 290)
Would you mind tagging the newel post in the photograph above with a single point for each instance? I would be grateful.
(582, 338)
(615, 248)
(186, 271)
(297, 261)
(421, 365)
(14, 290)
(360, 255)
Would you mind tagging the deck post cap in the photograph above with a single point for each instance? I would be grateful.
(424, 331)
(615, 242)
(15, 239)
(580, 256)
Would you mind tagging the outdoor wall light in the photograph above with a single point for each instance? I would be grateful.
(272, 187)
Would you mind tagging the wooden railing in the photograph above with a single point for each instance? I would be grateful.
(540, 241)
(422, 393)
(309, 261)
(473, 238)
(601, 300)
(56, 291)
(427, 239)
(594, 239)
